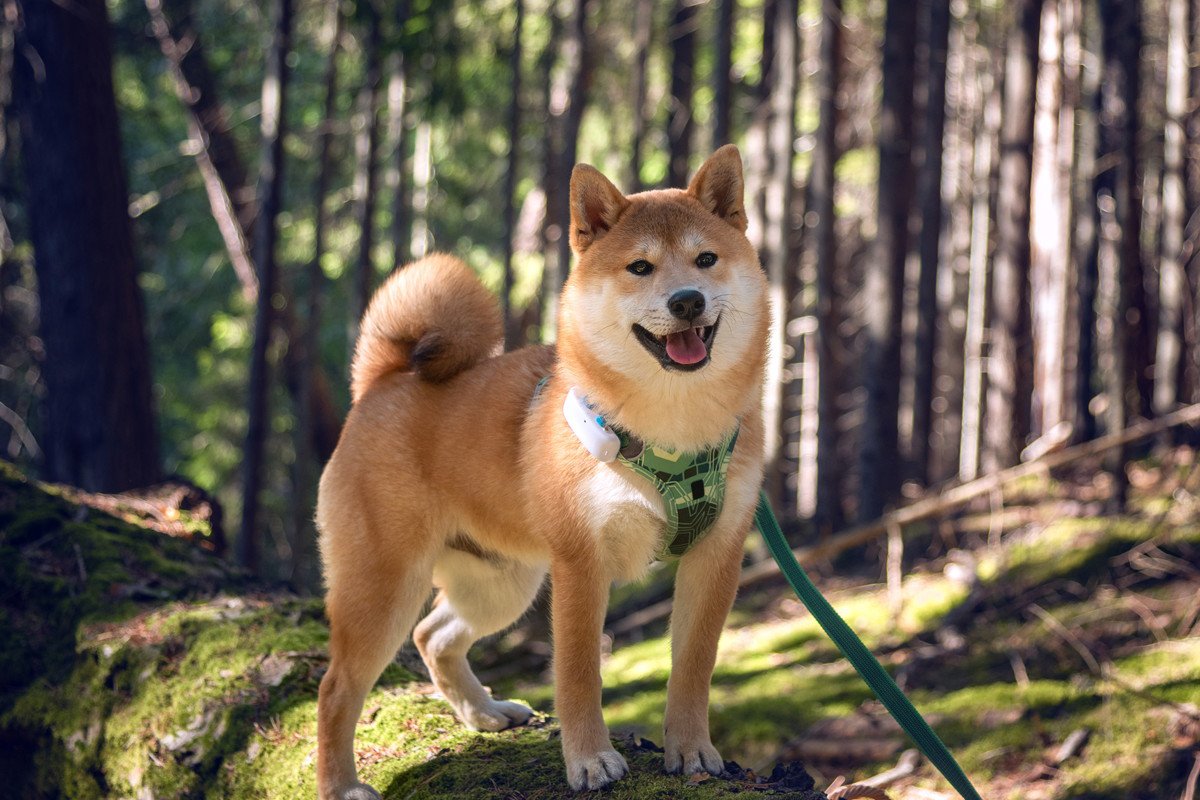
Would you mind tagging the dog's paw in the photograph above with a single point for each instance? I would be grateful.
(596, 770)
(692, 758)
(495, 715)
(359, 791)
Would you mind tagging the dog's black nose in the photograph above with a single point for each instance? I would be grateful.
(687, 304)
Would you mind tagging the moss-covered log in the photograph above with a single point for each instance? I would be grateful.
(137, 665)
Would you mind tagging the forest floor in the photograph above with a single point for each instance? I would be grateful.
(137, 665)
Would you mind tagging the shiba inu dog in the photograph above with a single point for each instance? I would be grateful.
(458, 469)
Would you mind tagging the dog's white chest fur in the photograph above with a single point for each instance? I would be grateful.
(627, 519)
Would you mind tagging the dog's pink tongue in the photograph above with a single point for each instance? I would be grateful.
(686, 347)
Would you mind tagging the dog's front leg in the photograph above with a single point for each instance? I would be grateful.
(704, 589)
(579, 600)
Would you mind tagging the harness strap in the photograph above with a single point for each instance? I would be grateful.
(893, 699)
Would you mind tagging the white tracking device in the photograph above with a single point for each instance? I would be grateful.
(591, 429)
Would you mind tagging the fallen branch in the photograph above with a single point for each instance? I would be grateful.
(955, 496)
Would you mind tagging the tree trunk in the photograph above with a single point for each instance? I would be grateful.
(643, 25)
(304, 576)
(978, 285)
(270, 185)
(963, 104)
(884, 280)
(226, 181)
(929, 195)
(1070, 114)
(1120, 212)
(1171, 274)
(1086, 247)
(829, 514)
(512, 333)
(401, 227)
(98, 427)
(683, 65)
(1010, 361)
(1191, 247)
(224, 176)
(776, 252)
(365, 145)
(1048, 274)
(758, 153)
(722, 78)
(568, 95)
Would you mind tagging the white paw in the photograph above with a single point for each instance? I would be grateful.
(693, 758)
(359, 791)
(495, 715)
(596, 770)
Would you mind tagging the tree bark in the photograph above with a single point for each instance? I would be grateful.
(401, 226)
(1010, 362)
(929, 196)
(722, 78)
(878, 455)
(98, 427)
(776, 251)
(568, 96)
(1086, 246)
(1171, 267)
(303, 573)
(365, 146)
(512, 332)
(758, 153)
(643, 25)
(829, 514)
(978, 283)
(1119, 207)
(270, 185)
(679, 117)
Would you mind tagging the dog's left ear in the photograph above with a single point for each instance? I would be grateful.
(596, 205)
(719, 186)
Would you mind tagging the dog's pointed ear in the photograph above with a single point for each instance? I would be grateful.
(596, 205)
(719, 186)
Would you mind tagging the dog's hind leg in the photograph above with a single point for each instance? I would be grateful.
(370, 612)
(479, 597)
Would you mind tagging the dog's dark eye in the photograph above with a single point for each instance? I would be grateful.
(641, 267)
(706, 260)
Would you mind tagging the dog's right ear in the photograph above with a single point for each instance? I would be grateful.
(596, 205)
(719, 187)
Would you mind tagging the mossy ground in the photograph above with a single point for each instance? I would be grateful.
(135, 677)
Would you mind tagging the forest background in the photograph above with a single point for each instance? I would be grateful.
(980, 221)
(978, 218)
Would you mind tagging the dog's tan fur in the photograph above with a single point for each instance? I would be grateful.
(449, 475)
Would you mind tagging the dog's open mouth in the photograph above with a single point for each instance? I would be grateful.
(688, 349)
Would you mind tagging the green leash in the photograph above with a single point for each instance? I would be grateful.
(899, 706)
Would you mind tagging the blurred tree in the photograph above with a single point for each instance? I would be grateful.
(1171, 269)
(643, 25)
(1118, 203)
(1010, 361)
(879, 440)
(936, 16)
(99, 423)
(821, 217)
(680, 121)
(722, 77)
(366, 143)
(777, 251)
(270, 184)
(303, 538)
(398, 80)
(512, 332)
(226, 184)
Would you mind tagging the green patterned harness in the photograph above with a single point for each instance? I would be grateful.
(692, 486)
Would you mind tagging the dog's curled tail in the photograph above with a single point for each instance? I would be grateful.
(433, 317)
